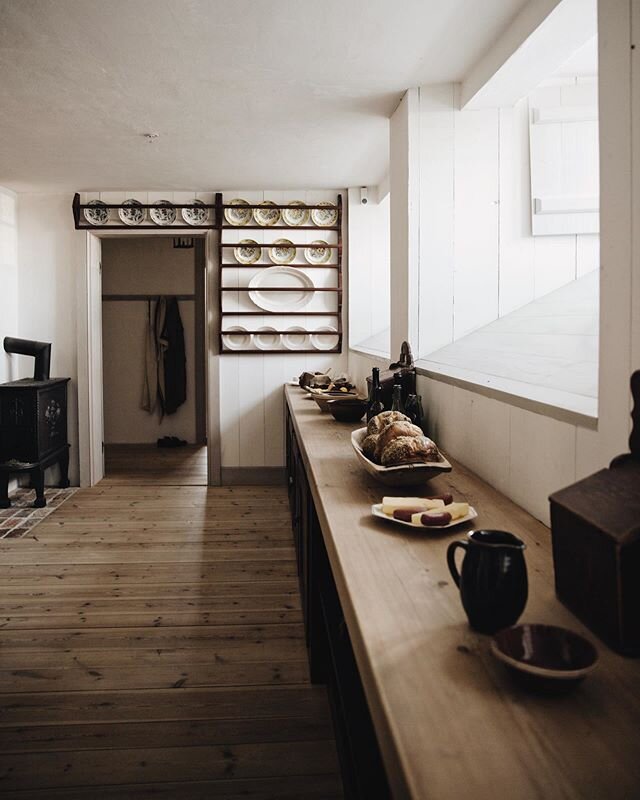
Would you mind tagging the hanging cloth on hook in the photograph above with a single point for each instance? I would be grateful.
(150, 382)
(174, 371)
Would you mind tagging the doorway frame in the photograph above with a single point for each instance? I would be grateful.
(89, 338)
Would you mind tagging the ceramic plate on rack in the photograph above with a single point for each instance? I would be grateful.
(98, 214)
(296, 214)
(295, 338)
(318, 255)
(282, 251)
(267, 338)
(239, 215)
(325, 338)
(266, 215)
(325, 217)
(247, 252)
(133, 214)
(195, 216)
(288, 278)
(236, 338)
(163, 213)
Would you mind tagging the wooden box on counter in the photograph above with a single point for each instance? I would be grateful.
(595, 526)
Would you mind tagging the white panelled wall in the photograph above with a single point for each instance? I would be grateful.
(8, 279)
(251, 396)
(525, 454)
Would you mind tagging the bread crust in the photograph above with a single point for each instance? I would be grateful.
(409, 450)
(393, 431)
(380, 421)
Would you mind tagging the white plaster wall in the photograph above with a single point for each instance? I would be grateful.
(369, 271)
(50, 252)
(8, 280)
(146, 265)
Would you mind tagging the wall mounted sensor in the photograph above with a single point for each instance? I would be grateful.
(364, 195)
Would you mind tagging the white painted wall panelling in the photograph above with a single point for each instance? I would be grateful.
(8, 279)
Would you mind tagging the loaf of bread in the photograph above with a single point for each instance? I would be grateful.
(380, 421)
(409, 450)
(369, 446)
(393, 431)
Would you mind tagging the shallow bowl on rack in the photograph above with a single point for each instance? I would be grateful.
(545, 658)
(98, 214)
(240, 214)
(196, 216)
(236, 338)
(402, 475)
(267, 338)
(132, 212)
(163, 213)
(325, 217)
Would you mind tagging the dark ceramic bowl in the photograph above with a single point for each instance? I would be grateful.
(347, 410)
(544, 657)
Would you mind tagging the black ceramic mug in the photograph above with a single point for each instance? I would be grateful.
(493, 580)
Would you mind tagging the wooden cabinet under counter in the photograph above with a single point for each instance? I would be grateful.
(443, 717)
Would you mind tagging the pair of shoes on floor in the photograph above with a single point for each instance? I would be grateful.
(171, 441)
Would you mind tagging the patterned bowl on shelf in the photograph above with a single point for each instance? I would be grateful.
(98, 214)
(239, 214)
(196, 216)
(266, 215)
(318, 255)
(247, 252)
(282, 251)
(133, 214)
(163, 213)
(325, 217)
(296, 214)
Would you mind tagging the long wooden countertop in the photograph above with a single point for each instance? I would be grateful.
(450, 722)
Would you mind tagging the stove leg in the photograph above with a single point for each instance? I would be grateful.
(4, 491)
(37, 482)
(64, 469)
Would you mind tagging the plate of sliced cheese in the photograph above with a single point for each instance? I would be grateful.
(424, 512)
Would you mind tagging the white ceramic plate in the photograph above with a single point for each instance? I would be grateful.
(97, 214)
(133, 214)
(266, 214)
(376, 510)
(267, 338)
(295, 338)
(325, 217)
(282, 251)
(296, 214)
(325, 338)
(281, 277)
(318, 255)
(247, 252)
(163, 213)
(195, 216)
(238, 215)
(236, 338)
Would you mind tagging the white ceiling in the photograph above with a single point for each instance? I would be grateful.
(243, 93)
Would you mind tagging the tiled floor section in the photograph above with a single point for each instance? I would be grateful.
(21, 518)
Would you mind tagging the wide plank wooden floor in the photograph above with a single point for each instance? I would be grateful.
(151, 645)
(157, 466)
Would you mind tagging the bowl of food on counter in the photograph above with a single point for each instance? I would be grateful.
(322, 397)
(396, 452)
(350, 408)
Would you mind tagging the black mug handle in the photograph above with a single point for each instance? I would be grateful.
(451, 559)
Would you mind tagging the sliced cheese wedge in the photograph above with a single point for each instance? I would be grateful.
(390, 504)
(457, 510)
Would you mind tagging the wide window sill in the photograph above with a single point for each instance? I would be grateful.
(367, 351)
(561, 405)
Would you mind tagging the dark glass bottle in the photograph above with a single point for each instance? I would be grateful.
(414, 411)
(377, 406)
(397, 404)
(373, 389)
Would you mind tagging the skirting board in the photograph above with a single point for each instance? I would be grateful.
(253, 476)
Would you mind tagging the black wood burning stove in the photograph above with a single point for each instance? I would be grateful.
(33, 423)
